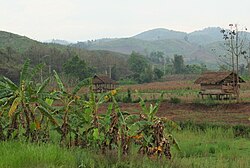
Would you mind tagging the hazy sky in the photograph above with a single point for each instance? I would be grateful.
(78, 20)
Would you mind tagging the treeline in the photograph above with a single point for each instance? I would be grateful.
(73, 62)
(156, 65)
(77, 64)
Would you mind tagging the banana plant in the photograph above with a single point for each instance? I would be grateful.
(152, 134)
(21, 100)
(73, 111)
(114, 126)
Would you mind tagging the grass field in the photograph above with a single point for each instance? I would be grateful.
(212, 147)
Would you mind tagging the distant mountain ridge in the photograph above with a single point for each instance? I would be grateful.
(194, 46)
(204, 36)
(58, 41)
(201, 46)
(160, 34)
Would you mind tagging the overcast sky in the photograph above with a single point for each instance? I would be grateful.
(78, 20)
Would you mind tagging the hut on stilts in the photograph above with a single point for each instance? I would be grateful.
(221, 85)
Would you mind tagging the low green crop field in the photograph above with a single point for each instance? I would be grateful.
(213, 147)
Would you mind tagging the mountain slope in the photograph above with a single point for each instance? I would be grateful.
(17, 42)
(205, 36)
(160, 34)
(15, 49)
(198, 46)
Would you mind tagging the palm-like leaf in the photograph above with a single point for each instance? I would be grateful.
(34, 71)
(10, 84)
(45, 112)
(25, 71)
(59, 82)
(14, 106)
(84, 82)
(43, 85)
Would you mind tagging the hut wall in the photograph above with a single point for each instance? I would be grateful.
(228, 88)
(210, 87)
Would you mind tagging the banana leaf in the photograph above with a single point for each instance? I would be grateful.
(82, 83)
(25, 71)
(43, 85)
(59, 82)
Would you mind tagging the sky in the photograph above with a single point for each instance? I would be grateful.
(80, 20)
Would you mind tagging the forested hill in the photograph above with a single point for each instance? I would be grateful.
(15, 49)
(201, 46)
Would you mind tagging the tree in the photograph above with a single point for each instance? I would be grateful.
(77, 68)
(158, 73)
(195, 69)
(235, 44)
(178, 63)
(156, 57)
(138, 65)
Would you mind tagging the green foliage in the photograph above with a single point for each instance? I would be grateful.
(20, 154)
(142, 71)
(77, 68)
(157, 57)
(158, 73)
(128, 98)
(29, 111)
(14, 49)
(175, 100)
(195, 69)
(154, 130)
(178, 64)
(138, 65)
(23, 102)
(198, 149)
(127, 82)
(207, 101)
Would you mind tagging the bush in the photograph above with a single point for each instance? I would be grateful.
(175, 100)
(127, 82)
(209, 102)
(128, 98)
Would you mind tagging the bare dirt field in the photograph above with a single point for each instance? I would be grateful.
(190, 107)
(230, 114)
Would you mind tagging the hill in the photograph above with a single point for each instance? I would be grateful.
(58, 41)
(160, 34)
(16, 42)
(202, 46)
(205, 36)
(15, 49)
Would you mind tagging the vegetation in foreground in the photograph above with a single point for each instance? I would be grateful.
(74, 134)
(212, 147)
(29, 113)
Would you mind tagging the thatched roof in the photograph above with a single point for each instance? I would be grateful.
(103, 80)
(215, 77)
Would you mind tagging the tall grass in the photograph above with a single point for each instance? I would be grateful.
(19, 154)
(208, 147)
(215, 147)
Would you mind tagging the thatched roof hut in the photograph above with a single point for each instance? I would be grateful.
(218, 83)
(103, 83)
(217, 77)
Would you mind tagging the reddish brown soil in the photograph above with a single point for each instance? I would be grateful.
(231, 114)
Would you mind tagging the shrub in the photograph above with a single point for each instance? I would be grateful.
(175, 100)
(128, 97)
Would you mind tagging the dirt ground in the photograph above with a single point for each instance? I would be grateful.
(231, 114)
